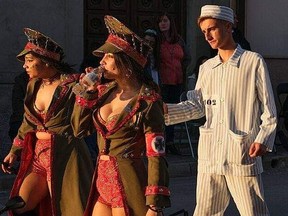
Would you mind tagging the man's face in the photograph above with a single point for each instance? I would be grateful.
(215, 32)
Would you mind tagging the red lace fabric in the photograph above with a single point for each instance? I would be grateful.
(111, 121)
(40, 113)
(41, 160)
(108, 184)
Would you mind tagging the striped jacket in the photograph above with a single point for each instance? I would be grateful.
(237, 99)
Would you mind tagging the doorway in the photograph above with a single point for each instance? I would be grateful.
(138, 15)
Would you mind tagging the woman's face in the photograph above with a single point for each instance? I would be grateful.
(108, 62)
(164, 24)
(34, 66)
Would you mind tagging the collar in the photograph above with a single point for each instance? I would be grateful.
(234, 60)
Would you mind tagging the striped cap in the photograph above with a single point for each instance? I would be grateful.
(217, 12)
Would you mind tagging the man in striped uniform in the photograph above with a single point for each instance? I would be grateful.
(234, 92)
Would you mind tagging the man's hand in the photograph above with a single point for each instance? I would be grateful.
(257, 149)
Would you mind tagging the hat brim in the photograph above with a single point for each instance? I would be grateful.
(22, 54)
(106, 48)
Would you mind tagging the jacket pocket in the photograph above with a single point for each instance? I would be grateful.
(238, 148)
(205, 142)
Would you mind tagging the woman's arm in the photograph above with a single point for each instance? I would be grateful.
(157, 191)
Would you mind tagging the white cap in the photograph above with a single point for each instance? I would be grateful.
(217, 12)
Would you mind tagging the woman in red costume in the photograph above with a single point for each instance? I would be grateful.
(131, 177)
(55, 169)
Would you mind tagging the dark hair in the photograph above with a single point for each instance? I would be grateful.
(125, 62)
(175, 37)
(61, 66)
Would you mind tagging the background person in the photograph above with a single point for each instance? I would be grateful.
(235, 93)
(174, 59)
(56, 168)
(128, 115)
(152, 65)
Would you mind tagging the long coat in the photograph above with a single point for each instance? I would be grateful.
(71, 164)
(140, 161)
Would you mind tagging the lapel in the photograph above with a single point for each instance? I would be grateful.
(145, 96)
(60, 93)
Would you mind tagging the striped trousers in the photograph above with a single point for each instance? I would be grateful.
(213, 194)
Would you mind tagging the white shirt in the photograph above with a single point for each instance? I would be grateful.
(238, 102)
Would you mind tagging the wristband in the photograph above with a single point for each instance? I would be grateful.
(91, 92)
(155, 209)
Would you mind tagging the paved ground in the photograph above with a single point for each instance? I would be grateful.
(183, 193)
(276, 193)
(183, 183)
(183, 171)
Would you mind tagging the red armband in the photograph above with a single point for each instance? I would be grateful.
(18, 142)
(155, 144)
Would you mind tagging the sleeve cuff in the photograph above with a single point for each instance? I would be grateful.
(85, 103)
(157, 190)
(18, 143)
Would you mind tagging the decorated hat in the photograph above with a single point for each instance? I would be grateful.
(122, 39)
(42, 45)
(217, 12)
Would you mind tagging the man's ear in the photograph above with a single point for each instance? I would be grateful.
(229, 27)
